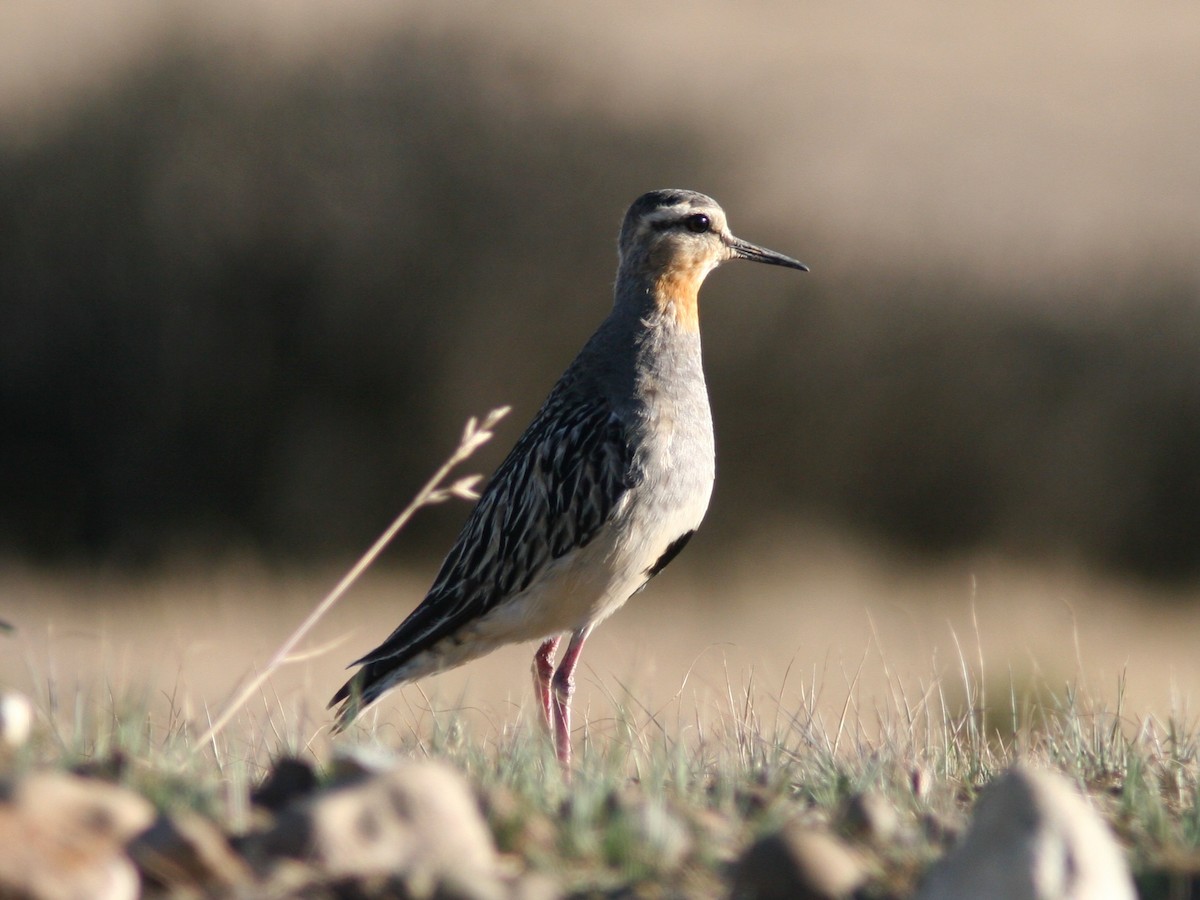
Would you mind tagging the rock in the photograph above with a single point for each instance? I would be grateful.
(870, 817)
(534, 886)
(361, 761)
(419, 820)
(663, 835)
(716, 833)
(940, 830)
(186, 850)
(16, 718)
(288, 781)
(921, 782)
(645, 833)
(62, 836)
(464, 885)
(1032, 837)
(106, 768)
(798, 863)
(519, 826)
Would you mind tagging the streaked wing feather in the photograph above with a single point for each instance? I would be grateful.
(551, 495)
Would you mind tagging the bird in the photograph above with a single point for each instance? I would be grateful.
(603, 489)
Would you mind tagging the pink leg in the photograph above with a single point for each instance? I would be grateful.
(543, 669)
(564, 687)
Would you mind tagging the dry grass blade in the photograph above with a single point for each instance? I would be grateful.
(474, 436)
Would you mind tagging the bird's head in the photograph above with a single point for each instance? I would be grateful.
(672, 239)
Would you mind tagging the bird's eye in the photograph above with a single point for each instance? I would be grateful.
(698, 224)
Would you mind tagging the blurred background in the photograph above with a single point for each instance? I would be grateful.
(260, 259)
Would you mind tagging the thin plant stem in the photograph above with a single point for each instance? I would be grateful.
(474, 436)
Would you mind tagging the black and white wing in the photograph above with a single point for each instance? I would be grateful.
(551, 496)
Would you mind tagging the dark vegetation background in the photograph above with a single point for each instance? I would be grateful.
(246, 307)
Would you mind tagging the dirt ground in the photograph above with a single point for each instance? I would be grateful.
(1019, 143)
(815, 625)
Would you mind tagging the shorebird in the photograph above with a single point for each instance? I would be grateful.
(601, 492)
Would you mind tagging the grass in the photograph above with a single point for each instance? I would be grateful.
(665, 797)
(716, 788)
(666, 804)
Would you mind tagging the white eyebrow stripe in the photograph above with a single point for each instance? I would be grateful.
(665, 214)
(665, 217)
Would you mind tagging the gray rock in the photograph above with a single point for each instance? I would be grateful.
(186, 850)
(1032, 837)
(361, 761)
(664, 839)
(869, 816)
(16, 718)
(645, 832)
(520, 826)
(534, 886)
(62, 838)
(418, 820)
(798, 863)
(921, 782)
(289, 780)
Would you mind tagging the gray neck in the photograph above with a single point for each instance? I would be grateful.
(634, 292)
(638, 341)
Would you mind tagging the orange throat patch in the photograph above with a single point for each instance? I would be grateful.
(677, 294)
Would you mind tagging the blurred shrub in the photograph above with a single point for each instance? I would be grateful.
(943, 419)
(248, 309)
(251, 310)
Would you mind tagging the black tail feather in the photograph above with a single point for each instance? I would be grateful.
(353, 697)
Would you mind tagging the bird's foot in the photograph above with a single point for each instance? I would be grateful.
(543, 672)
